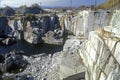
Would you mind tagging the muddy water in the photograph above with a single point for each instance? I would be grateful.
(31, 49)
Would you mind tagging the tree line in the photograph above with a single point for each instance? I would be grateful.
(109, 4)
(9, 11)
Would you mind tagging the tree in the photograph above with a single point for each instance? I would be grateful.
(23, 7)
(35, 6)
(8, 11)
(33, 9)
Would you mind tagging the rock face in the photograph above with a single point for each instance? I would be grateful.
(4, 27)
(115, 18)
(65, 21)
(6, 32)
(32, 34)
(36, 29)
(100, 54)
(87, 21)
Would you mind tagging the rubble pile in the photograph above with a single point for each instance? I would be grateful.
(40, 67)
(58, 66)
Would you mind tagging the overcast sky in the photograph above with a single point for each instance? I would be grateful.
(48, 3)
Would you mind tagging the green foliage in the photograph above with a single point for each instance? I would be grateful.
(109, 4)
(35, 6)
(29, 17)
(23, 7)
(83, 7)
(7, 11)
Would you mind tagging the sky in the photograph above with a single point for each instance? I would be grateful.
(48, 3)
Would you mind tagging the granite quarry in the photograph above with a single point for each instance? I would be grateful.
(90, 48)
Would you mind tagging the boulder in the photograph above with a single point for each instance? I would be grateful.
(33, 35)
(9, 64)
(50, 34)
(8, 41)
(14, 61)
(50, 38)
